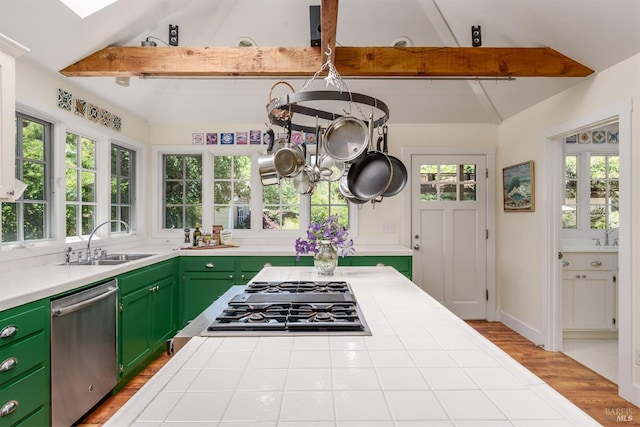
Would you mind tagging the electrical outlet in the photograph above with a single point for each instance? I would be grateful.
(637, 356)
(173, 35)
(388, 228)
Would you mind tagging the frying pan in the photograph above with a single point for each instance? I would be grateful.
(370, 176)
(399, 176)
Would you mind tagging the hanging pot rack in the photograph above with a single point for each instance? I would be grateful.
(294, 102)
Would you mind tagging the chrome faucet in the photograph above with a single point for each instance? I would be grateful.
(607, 232)
(126, 226)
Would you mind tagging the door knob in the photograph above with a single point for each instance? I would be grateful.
(416, 246)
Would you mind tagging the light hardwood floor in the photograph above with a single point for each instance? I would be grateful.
(590, 391)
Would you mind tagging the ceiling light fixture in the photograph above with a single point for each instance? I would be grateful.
(402, 42)
(245, 42)
(123, 81)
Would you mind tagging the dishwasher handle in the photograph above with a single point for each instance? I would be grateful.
(61, 311)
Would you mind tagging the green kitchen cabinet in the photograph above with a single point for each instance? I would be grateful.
(249, 266)
(24, 365)
(203, 280)
(148, 313)
(402, 263)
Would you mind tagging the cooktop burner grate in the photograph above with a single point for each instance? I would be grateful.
(290, 306)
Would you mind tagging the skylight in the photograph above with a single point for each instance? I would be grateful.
(84, 8)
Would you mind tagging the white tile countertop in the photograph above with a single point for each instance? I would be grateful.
(24, 283)
(421, 366)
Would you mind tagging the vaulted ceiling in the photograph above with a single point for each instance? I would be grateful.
(594, 33)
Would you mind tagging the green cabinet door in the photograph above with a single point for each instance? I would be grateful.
(148, 313)
(200, 290)
(135, 324)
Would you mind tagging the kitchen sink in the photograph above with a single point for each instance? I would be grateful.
(113, 259)
(125, 257)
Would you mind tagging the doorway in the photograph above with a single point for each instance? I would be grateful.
(553, 181)
(449, 198)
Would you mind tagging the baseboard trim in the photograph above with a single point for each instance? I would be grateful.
(530, 333)
(589, 335)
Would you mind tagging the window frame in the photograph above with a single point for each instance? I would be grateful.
(133, 187)
(255, 234)
(583, 154)
(48, 164)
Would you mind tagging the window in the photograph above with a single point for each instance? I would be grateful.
(327, 200)
(29, 217)
(591, 191)
(447, 182)
(81, 202)
(182, 195)
(232, 191)
(280, 206)
(123, 186)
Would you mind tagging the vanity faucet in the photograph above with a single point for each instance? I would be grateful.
(607, 232)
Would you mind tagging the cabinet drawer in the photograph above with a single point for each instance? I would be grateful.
(30, 393)
(22, 321)
(20, 356)
(133, 280)
(589, 261)
(204, 264)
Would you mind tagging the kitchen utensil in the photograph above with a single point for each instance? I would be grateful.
(305, 182)
(346, 139)
(399, 176)
(266, 166)
(370, 176)
(290, 159)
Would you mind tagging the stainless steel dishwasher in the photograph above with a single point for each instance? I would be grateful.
(83, 351)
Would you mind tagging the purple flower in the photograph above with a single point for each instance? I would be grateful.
(329, 229)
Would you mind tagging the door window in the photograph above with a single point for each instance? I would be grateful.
(447, 182)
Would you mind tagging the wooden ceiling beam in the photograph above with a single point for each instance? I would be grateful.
(328, 27)
(279, 62)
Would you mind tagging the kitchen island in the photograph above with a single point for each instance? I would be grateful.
(420, 366)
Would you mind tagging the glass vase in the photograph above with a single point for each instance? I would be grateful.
(326, 260)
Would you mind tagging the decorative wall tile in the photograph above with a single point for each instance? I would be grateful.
(93, 113)
(116, 123)
(80, 107)
(226, 138)
(612, 137)
(242, 137)
(571, 139)
(599, 136)
(255, 136)
(64, 99)
(212, 138)
(584, 138)
(105, 118)
(197, 138)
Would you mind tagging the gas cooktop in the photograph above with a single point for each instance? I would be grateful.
(285, 307)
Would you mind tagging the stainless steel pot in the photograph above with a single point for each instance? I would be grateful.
(266, 166)
(289, 160)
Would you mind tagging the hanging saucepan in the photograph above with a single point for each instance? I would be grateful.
(346, 138)
(371, 175)
(399, 177)
(290, 159)
(266, 167)
(303, 181)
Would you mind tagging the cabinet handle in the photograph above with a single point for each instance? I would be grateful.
(8, 331)
(8, 364)
(596, 263)
(565, 263)
(584, 276)
(577, 276)
(231, 277)
(267, 264)
(209, 265)
(8, 408)
(242, 276)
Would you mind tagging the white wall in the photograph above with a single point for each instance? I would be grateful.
(520, 236)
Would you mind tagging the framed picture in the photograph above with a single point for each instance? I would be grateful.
(518, 188)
